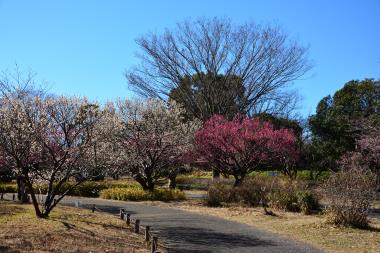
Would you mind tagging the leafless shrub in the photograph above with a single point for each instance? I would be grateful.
(349, 194)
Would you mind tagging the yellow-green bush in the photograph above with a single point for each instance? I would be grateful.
(138, 194)
(85, 189)
(12, 188)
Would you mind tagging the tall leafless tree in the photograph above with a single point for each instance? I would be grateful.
(211, 53)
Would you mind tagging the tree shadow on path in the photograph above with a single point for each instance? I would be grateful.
(186, 239)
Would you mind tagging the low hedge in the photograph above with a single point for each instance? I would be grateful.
(106, 190)
(11, 188)
(86, 189)
(138, 194)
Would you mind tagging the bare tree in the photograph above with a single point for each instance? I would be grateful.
(203, 59)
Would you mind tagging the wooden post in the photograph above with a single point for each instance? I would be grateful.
(137, 226)
(122, 212)
(128, 219)
(147, 235)
(14, 196)
(93, 208)
(154, 244)
(2, 196)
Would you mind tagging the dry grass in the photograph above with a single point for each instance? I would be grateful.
(307, 228)
(67, 230)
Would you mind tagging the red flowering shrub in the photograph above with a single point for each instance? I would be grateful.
(238, 146)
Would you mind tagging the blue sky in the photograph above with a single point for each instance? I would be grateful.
(84, 47)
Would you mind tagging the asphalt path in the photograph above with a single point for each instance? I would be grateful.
(186, 232)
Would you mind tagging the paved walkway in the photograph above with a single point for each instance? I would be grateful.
(186, 232)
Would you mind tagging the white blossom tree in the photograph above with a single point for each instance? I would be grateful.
(46, 140)
(64, 134)
(153, 139)
(17, 146)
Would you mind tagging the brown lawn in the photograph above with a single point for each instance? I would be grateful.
(66, 230)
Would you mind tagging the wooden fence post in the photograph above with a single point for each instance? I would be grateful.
(154, 244)
(128, 219)
(122, 212)
(137, 226)
(93, 208)
(2, 196)
(14, 196)
(147, 235)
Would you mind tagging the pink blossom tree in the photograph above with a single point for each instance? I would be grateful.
(239, 146)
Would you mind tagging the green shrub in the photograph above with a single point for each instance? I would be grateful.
(307, 202)
(88, 189)
(312, 175)
(11, 188)
(138, 194)
(85, 189)
(283, 200)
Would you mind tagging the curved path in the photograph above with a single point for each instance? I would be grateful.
(187, 232)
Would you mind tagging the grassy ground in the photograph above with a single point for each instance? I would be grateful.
(307, 228)
(66, 230)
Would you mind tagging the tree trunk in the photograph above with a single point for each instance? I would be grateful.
(22, 193)
(150, 185)
(172, 182)
(215, 174)
(238, 179)
(146, 184)
(34, 199)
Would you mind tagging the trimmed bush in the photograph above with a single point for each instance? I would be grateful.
(90, 189)
(349, 195)
(85, 189)
(11, 188)
(138, 194)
